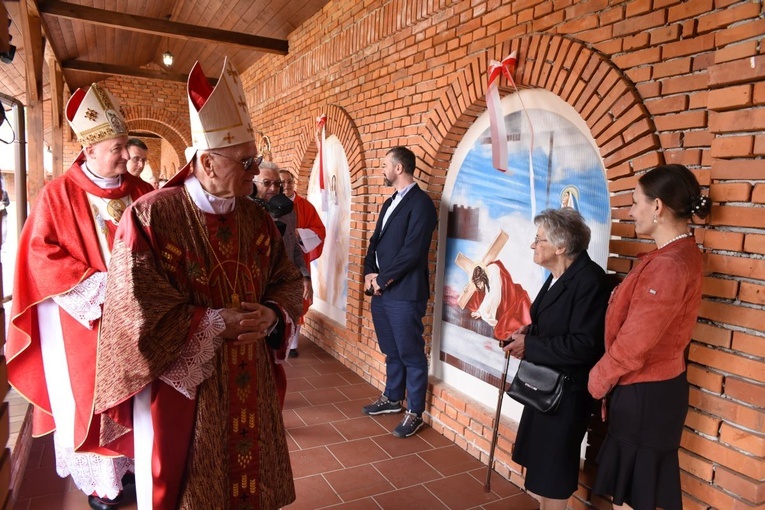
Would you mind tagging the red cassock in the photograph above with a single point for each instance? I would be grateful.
(307, 217)
(58, 249)
(514, 309)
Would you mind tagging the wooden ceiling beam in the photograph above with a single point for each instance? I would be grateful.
(111, 69)
(154, 26)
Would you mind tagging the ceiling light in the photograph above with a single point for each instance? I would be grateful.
(167, 58)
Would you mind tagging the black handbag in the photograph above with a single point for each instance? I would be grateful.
(538, 386)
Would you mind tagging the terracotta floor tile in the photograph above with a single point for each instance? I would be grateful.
(520, 502)
(295, 401)
(398, 447)
(357, 428)
(354, 378)
(326, 413)
(407, 471)
(313, 492)
(352, 408)
(460, 492)
(326, 381)
(334, 368)
(357, 482)
(291, 419)
(299, 384)
(295, 371)
(355, 453)
(315, 435)
(413, 497)
(313, 461)
(450, 460)
(432, 437)
(324, 396)
(359, 504)
(362, 390)
(499, 485)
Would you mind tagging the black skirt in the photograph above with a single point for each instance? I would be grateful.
(638, 463)
(548, 445)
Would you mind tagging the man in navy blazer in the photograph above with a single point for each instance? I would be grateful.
(396, 275)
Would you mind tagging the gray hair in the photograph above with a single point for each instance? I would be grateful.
(565, 228)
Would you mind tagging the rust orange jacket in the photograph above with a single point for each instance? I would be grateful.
(650, 319)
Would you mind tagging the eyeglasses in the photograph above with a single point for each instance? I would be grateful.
(266, 183)
(246, 163)
(538, 240)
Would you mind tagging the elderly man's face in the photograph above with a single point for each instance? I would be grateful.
(288, 183)
(108, 158)
(268, 184)
(225, 175)
(137, 160)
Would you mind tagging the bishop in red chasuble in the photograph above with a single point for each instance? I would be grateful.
(59, 290)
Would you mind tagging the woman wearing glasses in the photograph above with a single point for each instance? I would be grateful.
(648, 327)
(566, 333)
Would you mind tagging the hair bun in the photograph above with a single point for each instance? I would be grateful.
(701, 206)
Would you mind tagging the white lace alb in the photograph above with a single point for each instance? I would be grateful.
(194, 365)
(84, 301)
(90, 472)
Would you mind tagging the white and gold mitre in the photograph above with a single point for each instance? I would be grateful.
(219, 116)
(95, 115)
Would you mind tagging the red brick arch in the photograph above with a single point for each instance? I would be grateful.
(599, 91)
(340, 124)
(170, 126)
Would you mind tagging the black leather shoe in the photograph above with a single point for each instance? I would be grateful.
(97, 503)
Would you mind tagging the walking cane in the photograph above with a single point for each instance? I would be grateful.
(495, 431)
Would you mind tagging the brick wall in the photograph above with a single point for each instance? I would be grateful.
(656, 81)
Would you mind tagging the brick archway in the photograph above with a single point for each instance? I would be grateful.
(173, 128)
(340, 124)
(600, 92)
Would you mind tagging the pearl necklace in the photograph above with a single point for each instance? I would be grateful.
(687, 234)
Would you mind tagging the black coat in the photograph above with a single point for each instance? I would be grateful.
(567, 334)
(567, 320)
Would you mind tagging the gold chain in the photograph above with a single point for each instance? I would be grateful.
(235, 300)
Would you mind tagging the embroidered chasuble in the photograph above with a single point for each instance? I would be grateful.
(171, 264)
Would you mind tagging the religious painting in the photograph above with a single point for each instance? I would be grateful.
(329, 273)
(486, 272)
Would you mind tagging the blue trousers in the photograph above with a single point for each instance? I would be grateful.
(399, 329)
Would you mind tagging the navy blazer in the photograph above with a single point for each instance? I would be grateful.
(567, 320)
(402, 247)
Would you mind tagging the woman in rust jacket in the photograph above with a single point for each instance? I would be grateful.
(648, 326)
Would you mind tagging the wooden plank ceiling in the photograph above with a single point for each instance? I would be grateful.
(93, 39)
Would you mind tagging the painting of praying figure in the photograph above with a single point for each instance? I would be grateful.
(486, 277)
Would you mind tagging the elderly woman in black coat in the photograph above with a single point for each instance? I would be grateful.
(566, 333)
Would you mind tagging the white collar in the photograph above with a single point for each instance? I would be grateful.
(205, 201)
(101, 182)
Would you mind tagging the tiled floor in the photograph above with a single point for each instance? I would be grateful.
(341, 459)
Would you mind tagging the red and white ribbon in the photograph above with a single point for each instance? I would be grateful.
(321, 135)
(497, 128)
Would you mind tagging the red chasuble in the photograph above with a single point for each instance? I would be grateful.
(58, 249)
(226, 448)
